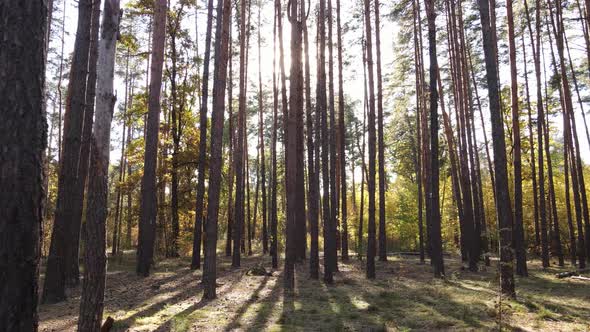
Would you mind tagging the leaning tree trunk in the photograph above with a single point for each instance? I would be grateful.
(73, 267)
(61, 246)
(23, 138)
(149, 207)
(92, 300)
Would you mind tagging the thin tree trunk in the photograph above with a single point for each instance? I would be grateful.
(536, 47)
(371, 248)
(380, 140)
(313, 195)
(198, 227)
(232, 134)
(532, 148)
(261, 137)
(332, 246)
(273, 183)
(518, 230)
(239, 153)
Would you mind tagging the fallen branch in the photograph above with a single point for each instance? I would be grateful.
(571, 273)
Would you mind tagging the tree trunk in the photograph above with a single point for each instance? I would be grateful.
(504, 213)
(517, 227)
(198, 227)
(532, 148)
(342, 131)
(380, 140)
(293, 249)
(261, 138)
(330, 251)
(239, 153)
(274, 182)
(216, 162)
(536, 47)
(92, 299)
(58, 262)
(312, 176)
(232, 134)
(149, 207)
(433, 179)
(371, 248)
(23, 137)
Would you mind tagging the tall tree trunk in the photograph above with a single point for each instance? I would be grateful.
(92, 300)
(239, 153)
(433, 178)
(295, 16)
(504, 213)
(23, 137)
(273, 149)
(312, 176)
(322, 109)
(371, 248)
(122, 161)
(58, 262)
(342, 131)
(261, 138)
(330, 251)
(73, 268)
(380, 140)
(149, 205)
(362, 151)
(198, 227)
(216, 162)
(176, 110)
(532, 148)
(232, 134)
(536, 48)
(517, 227)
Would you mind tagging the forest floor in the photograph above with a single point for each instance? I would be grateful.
(404, 297)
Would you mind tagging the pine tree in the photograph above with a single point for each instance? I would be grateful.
(23, 138)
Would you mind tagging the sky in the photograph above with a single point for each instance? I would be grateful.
(353, 76)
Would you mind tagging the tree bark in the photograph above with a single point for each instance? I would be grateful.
(216, 162)
(58, 261)
(312, 176)
(371, 247)
(433, 179)
(518, 230)
(92, 299)
(380, 141)
(149, 207)
(23, 138)
(504, 213)
(198, 226)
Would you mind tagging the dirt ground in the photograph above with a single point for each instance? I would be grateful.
(404, 297)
